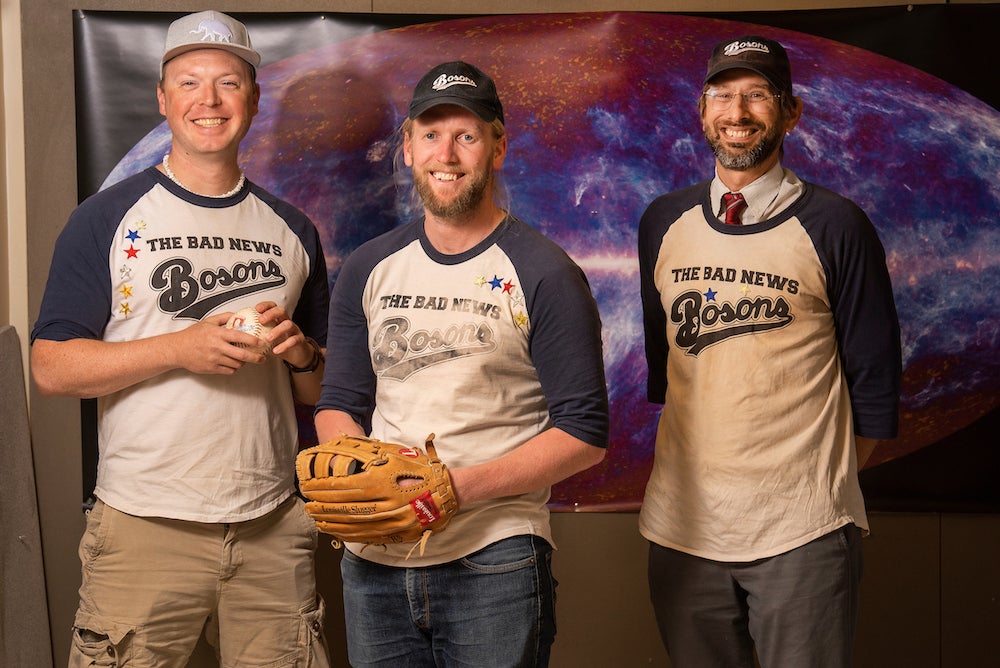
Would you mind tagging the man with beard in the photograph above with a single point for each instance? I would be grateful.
(773, 344)
(469, 324)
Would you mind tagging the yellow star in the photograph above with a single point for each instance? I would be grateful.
(125, 309)
(480, 280)
(126, 291)
(521, 320)
(744, 289)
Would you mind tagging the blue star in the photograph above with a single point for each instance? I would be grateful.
(710, 295)
(496, 282)
(132, 235)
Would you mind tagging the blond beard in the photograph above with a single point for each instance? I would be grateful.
(465, 203)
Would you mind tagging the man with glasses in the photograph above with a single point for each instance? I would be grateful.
(773, 344)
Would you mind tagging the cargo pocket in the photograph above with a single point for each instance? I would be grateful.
(98, 645)
(314, 638)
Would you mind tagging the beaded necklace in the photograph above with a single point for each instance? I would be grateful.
(173, 177)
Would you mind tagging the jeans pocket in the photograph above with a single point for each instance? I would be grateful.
(509, 554)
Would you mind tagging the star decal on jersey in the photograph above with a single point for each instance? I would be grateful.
(125, 271)
(710, 295)
(744, 289)
(511, 298)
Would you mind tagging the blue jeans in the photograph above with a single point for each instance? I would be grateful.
(493, 608)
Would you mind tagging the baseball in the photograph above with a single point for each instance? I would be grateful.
(248, 320)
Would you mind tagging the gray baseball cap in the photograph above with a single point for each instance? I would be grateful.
(208, 30)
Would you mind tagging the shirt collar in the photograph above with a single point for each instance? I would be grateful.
(770, 194)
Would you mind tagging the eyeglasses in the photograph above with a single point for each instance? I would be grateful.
(757, 100)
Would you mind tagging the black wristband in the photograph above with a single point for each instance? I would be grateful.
(316, 360)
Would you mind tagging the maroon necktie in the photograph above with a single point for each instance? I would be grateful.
(734, 204)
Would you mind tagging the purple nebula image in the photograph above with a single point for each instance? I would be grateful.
(602, 117)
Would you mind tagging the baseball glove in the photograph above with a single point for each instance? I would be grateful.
(366, 491)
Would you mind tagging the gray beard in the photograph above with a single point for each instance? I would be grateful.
(741, 162)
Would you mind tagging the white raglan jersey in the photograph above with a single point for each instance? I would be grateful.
(770, 345)
(485, 349)
(146, 257)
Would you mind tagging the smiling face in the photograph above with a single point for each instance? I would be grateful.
(747, 138)
(454, 154)
(209, 99)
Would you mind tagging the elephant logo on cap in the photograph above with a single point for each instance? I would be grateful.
(213, 31)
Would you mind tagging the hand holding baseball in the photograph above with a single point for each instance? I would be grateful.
(247, 320)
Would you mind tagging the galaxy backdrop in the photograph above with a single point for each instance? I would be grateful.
(601, 114)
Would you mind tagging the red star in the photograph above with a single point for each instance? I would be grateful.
(508, 286)
(132, 252)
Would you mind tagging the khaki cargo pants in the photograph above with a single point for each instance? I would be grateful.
(152, 586)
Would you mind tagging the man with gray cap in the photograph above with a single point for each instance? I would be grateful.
(470, 324)
(196, 525)
(773, 344)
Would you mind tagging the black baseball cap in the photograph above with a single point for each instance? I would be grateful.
(458, 83)
(758, 54)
